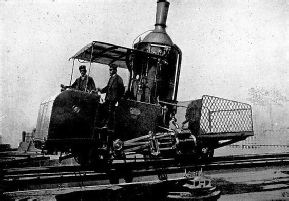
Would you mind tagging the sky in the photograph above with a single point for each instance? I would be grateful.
(233, 49)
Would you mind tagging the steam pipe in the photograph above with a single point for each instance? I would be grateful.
(130, 67)
(178, 72)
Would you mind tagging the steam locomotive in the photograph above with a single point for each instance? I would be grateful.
(149, 120)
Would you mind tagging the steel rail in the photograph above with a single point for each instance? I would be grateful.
(17, 180)
(138, 163)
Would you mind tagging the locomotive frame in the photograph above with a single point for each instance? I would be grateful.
(146, 119)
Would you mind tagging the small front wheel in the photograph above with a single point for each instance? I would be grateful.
(82, 159)
(206, 154)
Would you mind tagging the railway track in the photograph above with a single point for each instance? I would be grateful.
(16, 179)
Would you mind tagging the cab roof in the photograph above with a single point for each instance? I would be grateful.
(106, 53)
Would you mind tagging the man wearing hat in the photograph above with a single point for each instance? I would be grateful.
(84, 82)
(114, 91)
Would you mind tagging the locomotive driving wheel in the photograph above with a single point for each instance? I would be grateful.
(100, 158)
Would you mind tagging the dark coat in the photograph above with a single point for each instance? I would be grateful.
(114, 89)
(80, 84)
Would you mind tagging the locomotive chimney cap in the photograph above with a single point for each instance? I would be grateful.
(162, 1)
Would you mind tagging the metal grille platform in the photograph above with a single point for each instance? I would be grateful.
(213, 115)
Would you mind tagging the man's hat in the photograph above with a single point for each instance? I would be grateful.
(113, 66)
(82, 67)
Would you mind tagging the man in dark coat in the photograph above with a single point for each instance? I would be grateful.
(83, 83)
(114, 91)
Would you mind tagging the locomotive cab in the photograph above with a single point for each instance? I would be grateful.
(71, 121)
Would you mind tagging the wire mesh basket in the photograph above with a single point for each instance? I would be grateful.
(217, 115)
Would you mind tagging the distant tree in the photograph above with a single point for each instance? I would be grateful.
(265, 97)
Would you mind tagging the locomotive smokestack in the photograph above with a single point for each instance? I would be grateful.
(162, 13)
(159, 35)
